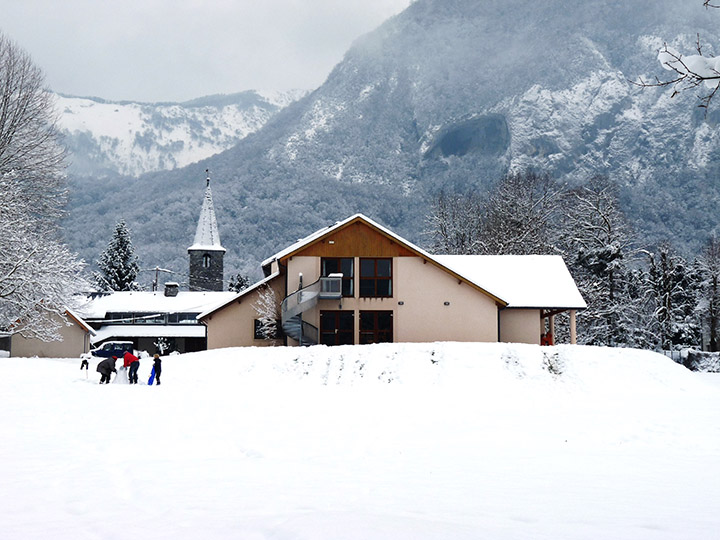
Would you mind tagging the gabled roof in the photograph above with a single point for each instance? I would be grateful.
(518, 281)
(79, 321)
(207, 237)
(319, 235)
(237, 296)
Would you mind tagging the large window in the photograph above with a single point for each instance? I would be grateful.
(375, 278)
(376, 327)
(337, 266)
(337, 327)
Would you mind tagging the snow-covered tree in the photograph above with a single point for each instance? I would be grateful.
(516, 217)
(520, 214)
(597, 243)
(38, 274)
(709, 294)
(238, 282)
(673, 286)
(454, 223)
(268, 309)
(691, 71)
(118, 263)
(162, 345)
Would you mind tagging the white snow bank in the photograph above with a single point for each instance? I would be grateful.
(428, 441)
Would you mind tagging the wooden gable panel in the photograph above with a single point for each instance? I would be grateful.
(356, 240)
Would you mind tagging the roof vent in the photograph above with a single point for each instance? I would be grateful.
(171, 288)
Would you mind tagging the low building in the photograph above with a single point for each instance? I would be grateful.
(76, 336)
(356, 282)
(146, 317)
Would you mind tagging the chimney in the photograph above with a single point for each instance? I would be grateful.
(171, 288)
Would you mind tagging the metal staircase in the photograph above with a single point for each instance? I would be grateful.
(305, 298)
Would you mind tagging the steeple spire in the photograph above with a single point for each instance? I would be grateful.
(207, 236)
(206, 253)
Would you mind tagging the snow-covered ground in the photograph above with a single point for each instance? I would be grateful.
(429, 441)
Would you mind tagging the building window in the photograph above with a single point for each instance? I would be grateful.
(376, 327)
(206, 260)
(344, 266)
(375, 278)
(337, 327)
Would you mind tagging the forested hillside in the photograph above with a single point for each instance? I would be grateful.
(448, 95)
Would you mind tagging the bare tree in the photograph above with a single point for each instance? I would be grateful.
(709, 295)
(519, 215)
(598, 244)
(454, 223)
(689, 72)
(38, 274)
(268, 309)
(514, 218)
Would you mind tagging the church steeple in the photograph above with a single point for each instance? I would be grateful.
(206, 253)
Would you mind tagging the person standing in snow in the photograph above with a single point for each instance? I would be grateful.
(157, 365)
(131, 361)
(105, 368)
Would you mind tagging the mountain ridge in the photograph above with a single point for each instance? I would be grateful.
(450, 96)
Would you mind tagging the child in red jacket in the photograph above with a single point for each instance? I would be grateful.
(132, 361)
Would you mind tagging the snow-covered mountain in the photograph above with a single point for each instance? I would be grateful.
(131, 138)
(449, 95)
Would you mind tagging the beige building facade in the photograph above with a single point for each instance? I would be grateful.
(357, 283)
(75, 335)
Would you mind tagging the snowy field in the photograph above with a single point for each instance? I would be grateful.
(391, 442)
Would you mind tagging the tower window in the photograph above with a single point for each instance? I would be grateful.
(206, 260)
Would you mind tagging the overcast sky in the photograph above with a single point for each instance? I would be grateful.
(175, 50)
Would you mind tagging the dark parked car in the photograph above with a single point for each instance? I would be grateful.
(113, 348)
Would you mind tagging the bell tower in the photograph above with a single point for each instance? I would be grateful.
(206, 253)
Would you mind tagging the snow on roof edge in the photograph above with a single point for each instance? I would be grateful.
(238, 295)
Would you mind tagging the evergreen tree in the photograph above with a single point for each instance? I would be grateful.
(118, 263)
(238, 282)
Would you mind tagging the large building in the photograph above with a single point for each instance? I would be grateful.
(356, 282)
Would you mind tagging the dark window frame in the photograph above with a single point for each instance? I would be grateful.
(378, 331)
(375, 281)
(341, 336)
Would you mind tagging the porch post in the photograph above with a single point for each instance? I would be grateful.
(573, 328)
(552, 329)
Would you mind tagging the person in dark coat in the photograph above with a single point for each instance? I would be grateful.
(130, 360)
(157, 364)
(105, 368)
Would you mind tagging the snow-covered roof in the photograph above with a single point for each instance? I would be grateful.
(531, 281)
(523, 281)
(207, 237)
(151, 302)
(79, 321)
(236, 296)
(149, 330)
